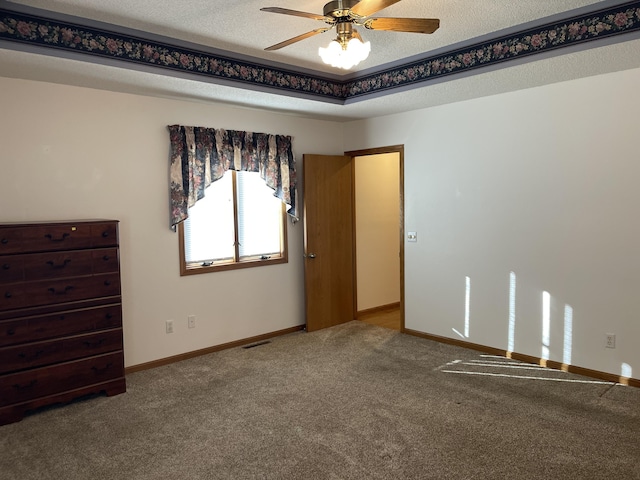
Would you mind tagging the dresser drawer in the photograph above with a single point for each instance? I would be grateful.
(40, 382)
(60, 236)
(37, 354)
(11, 269)
(37, 238)
(42, 327)
(74, 263)
(105, 260)
(20, 295)
(104, 234)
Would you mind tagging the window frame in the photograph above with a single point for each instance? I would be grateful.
(237, 263)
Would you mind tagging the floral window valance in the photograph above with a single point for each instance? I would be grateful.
(200, 156)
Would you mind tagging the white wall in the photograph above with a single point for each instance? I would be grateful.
(377, 193)
(542, 183)
(76, 153)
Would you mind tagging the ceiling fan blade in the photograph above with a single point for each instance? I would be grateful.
(415, 25)
(278, 46)
(356, 34)
(364, 8)
(296, 13)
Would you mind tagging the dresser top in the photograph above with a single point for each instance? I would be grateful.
(55, 222)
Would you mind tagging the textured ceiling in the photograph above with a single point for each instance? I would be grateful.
(240, 27)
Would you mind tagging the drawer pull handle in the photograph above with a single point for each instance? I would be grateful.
(60, 265)
(24, 387)
(7, 295)
(61, 239)
(67, 289)
(102, 370)
(108, 316)
(11, 331)
(4, 241)
(106, 258)
(107, 283)
(34, 356)
(94, 344)
(105, 234)
(6, 266)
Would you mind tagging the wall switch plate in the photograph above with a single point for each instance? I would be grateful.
(191, 321)
(169, 326)
(610, 340)
(412, 236)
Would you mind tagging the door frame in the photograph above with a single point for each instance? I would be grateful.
(399, 149)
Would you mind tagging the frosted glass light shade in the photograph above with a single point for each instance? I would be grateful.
(353, 52)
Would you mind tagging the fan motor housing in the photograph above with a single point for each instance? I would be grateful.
(339, 8)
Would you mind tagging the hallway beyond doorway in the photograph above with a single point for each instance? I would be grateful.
(388, 318)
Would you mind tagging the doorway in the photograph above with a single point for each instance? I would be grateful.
(329, 236)
(379, 236)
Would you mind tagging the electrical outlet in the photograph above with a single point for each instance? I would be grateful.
(610, 340)
(169, 326)
(191, 321)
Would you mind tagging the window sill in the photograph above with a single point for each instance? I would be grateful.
(194, 269)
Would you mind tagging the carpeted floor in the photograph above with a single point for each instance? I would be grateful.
(351, 402)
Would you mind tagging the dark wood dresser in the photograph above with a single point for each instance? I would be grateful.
(60, 314)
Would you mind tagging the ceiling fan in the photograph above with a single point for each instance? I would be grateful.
(344, 15)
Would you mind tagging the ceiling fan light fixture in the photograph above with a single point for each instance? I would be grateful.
(345, 54)
(348, 49)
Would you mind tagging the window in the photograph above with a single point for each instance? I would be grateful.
(238, 224)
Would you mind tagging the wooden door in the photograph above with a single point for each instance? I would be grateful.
(328, 240)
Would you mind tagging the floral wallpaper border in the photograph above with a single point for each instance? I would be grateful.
(605, 23)
(35, 30)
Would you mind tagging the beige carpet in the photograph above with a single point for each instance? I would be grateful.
(350, 402)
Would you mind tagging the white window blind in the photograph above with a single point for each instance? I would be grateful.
(259, 216)
(209, 231)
